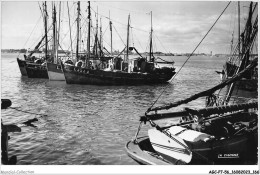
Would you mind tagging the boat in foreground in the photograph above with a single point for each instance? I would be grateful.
(229, 138)
(226, 134)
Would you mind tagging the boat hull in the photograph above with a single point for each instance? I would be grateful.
(237, 150)
(22, 66)
(243, 88)
(241, 150)
(100, 77)
(37, 71)
(143, 153)
(223, 140)
(55, 72)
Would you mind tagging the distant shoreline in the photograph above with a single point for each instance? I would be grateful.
(22, 51)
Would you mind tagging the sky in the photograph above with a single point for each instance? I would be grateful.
(178, 26)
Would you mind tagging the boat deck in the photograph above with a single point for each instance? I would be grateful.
(143, 153)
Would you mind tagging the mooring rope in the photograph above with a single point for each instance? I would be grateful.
(28, 112)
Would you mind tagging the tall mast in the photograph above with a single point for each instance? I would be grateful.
(101, 47)
(231, 87)
(151, 38)
(247, 36)
(38, 45)
(70, 30)
(245, 51)
(58, 35)
(46, 30)
(232, 40)
(238, 30)
(127, 39)
(96, 34)
(77, 47)
(110, 22)
(88, 32)
(54, 33)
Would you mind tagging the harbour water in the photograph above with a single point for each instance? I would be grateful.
(86, 124)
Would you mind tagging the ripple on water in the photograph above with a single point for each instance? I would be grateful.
(89, 124)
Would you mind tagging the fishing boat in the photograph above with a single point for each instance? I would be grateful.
(37, 68)
(242, 56)
(55, 72)
(22, 66)
(217, 134)
(30, 60)
(49, 67)
(36, 71)
(113, 70)
(54, 69)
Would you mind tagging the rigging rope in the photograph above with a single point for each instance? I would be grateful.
(40, 8)
(67, 34)
(120, 22)
(132, 37)
(160, 43)
(119, 35)
(36, 41)
(48, 40)
(154, 48)
(189, 56)
(140, 12)
(103, 33)
(148, 45)
(30, 35)
(138, 41)
(108, 45)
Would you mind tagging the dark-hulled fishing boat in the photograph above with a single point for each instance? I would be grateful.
(29, 60)
(218, 134)
(36, 71)
(22, 66)
(101, 77)
(36, 67)
(116, 71)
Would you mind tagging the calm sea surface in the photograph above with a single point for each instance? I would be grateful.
(85, 124)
